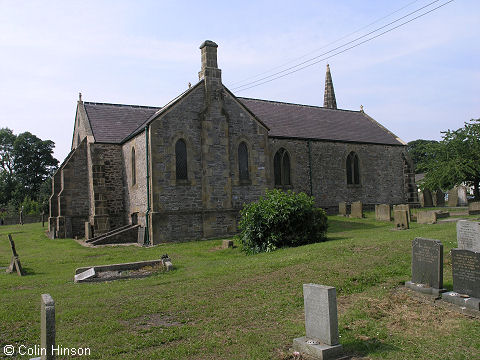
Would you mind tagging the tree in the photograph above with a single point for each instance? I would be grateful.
(25, 163)
(455, 159)
(34, 162)
(418, 152)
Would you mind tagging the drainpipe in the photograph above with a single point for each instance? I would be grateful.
(147, 213)
(310, 166)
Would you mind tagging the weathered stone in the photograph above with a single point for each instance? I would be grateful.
(47, 323)
(321, 323)
(404, 207)
(438, 198)
(457, 196)
(474, 208)
(461, 300)
(426, 217)
(427, 266)
(462, 196)
(357, 210)
(400, 219)
(453, 197)
(383, 212)
(88, 230)
(15, 264)
(466, 272)
(425, 198)
(87, 274)
(468, 235)
(227, 244)
(342, 208)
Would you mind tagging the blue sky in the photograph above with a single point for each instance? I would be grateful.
(417, 81)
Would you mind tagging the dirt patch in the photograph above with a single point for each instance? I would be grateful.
(145, 271)
(146, 322)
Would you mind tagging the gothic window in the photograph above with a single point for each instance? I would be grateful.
(281, 167)
(134, 168)
(353, 171)
(181, 159)
(243, 161)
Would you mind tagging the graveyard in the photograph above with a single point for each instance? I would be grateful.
(218, 303)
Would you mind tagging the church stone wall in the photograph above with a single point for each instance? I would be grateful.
(108, 177)
(73, 202)
(381, 171)
(135, 194)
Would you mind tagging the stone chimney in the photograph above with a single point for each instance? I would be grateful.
(210, 71)
(329, 96)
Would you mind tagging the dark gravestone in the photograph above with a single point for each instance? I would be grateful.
(466, 272)
(426, 198)
(427, 266)
(15, 262)
(438, 198)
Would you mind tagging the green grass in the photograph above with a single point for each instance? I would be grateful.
(221, 304)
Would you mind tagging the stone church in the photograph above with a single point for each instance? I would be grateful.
(183, 171)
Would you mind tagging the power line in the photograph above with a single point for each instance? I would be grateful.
(260, 82)
(335, 49)
(326, 45)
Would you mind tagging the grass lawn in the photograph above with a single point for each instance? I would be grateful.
(221, 304)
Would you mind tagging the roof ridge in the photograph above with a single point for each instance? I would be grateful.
(122, 105)
(304, 105)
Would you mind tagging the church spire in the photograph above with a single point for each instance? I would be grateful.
(329, 96)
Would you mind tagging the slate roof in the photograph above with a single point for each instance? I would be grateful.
(314, 122)
(111, 123)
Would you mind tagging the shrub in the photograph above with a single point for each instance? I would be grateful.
(281, 219)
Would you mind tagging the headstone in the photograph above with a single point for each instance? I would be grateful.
(468, 235)
(47, 321)
(426, 198)
(427, 266)
(15, 264)
(405, 207)
(474, 208)
(453, 197)
(357, 210)
(400, 219)
(88, 274)
(342, 208)
(321, 323)
(462, 196)
(426, 217)
(438, 198)
(227, 244)
(383, 213)
(466, 272)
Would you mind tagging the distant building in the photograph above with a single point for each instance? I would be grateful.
(184, 171)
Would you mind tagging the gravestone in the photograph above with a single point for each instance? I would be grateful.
(357, 210)
(47, 321)
(342, 208)
(383, 213)
(426, 198)
(321, 323)
(400, 220)
(426, 217)
(87, 274)
(405, 207)
(474, 208)
(466, 272)
(227, 244)
(468, 235)
(15, 264)
(427, 266)
(453, 197)
(438, 198)
(462, 196)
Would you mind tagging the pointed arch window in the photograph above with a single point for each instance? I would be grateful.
(134, 168)
(281, 167)
(353, 169)
(181, 160)
(243, 161)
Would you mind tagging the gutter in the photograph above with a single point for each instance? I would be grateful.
(147, 213)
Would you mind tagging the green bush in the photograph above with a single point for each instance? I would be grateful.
(281, 219)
